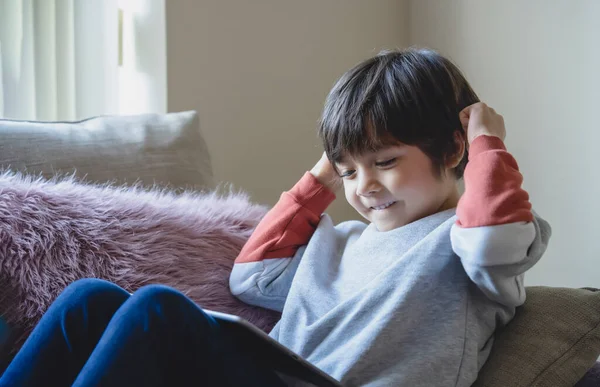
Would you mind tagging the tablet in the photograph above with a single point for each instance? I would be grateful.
(284, 362)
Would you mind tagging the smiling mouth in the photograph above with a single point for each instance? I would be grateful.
(383, 206)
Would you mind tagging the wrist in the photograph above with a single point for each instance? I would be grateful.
(484, 134)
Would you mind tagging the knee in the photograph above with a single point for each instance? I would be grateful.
(87, 289)
(158, 295)
(162, 301)
(159, 307)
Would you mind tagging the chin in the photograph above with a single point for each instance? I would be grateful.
(387, 226)
(382, 225)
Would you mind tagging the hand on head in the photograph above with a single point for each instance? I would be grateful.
(480, 119)
(326, 174)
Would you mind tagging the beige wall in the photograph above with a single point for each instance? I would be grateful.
(538, 63)
(258, 73)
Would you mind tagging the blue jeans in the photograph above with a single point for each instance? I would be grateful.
(96, 334)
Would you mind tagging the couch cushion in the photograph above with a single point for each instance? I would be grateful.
(553, 340)
(166, 149)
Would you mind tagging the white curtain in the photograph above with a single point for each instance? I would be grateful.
(65, 59)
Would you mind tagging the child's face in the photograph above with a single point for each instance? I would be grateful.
(396, 186)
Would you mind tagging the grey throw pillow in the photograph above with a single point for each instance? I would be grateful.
(162, 149)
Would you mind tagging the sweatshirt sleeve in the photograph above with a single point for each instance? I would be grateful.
(263, 272)
(497, 235)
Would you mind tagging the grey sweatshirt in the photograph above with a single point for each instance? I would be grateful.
(414, 306)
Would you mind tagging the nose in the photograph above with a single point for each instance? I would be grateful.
(367, 185)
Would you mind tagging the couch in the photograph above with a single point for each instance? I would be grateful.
(132, 200)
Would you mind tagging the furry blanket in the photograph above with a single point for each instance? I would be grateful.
(55, 232)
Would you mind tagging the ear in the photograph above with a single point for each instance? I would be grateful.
(461, 146)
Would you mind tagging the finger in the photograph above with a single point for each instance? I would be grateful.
(467, 110)
(463, 116)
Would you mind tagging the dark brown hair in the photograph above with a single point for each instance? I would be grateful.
(412, 96)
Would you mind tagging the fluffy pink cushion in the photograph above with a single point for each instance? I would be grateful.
(55, 232)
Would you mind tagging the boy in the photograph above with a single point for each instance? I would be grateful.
(413, 298)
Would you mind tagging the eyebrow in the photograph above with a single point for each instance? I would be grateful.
(388, 148)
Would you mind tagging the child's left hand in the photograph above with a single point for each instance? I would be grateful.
(480, 119)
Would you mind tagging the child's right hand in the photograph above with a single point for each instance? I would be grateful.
(326, 174)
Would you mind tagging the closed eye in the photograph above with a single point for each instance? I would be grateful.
(386, 163)
(347, 173)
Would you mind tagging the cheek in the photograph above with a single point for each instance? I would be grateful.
(418, 174)
(400, 179)
(422, 183)
(351, 197)
(349, 193)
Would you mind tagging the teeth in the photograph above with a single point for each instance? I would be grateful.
(384, 206)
